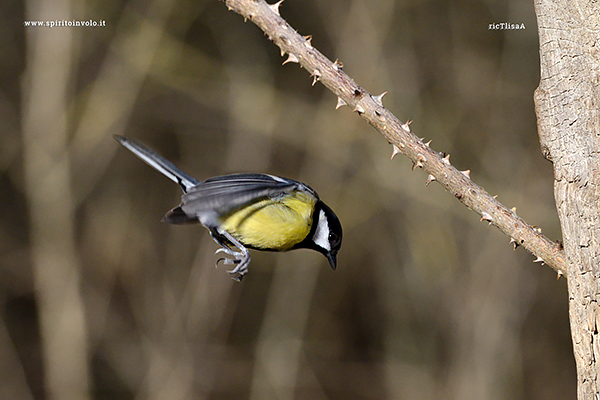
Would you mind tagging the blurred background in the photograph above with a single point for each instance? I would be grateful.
(100, 300)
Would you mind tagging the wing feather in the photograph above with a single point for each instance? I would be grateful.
(216, 198)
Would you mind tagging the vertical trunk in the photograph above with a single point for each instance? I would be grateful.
(568, 111)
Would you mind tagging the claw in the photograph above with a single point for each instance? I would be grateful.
(229, 261)
(232, 247)
(240, 270)
(233, 253)
(224, 250)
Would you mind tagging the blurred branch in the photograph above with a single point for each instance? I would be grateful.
(437, 165)
(13, 382)
(132, 50)
(279, 344)
(49, 194)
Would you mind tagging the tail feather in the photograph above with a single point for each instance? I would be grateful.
(159, 163)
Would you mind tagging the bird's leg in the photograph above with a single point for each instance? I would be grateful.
(231, 246)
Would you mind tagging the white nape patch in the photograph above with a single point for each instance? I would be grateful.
(321, 236)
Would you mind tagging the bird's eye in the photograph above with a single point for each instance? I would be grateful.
(332, 237)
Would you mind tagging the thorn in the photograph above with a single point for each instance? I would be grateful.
(494, 196)
(359, 109)
(419, 163)
(406, 125)
(539, 259)
(486, 217)
(379, 98)
(514, 209)
(307, 43)
(337, 65)
(395, 150)
(430, 178)
(514, 242)
(446, 159)
(316, 76)
(428, 143)
(275, 7)
(559, 275)
(340, 103)
(291, 58)
(467, 173)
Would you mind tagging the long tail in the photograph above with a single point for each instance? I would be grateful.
(159, 163)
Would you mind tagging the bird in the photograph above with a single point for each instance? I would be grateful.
(244, 211)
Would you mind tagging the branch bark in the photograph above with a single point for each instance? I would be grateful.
(437, 165)
(568, 109)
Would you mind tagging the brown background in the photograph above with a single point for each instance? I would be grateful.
(427, 302)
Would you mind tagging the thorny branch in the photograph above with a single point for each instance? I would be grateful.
(437, 165)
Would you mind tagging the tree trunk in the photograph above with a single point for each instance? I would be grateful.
(567, 106)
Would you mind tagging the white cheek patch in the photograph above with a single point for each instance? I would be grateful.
(321, 236)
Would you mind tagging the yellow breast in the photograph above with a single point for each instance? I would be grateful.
(276, 224)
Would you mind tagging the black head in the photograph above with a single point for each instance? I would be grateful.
(326, 233)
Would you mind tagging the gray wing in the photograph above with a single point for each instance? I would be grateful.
(218, 197)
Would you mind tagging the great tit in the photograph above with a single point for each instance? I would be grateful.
(256, 211)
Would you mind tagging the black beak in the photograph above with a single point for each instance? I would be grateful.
(332, 258)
